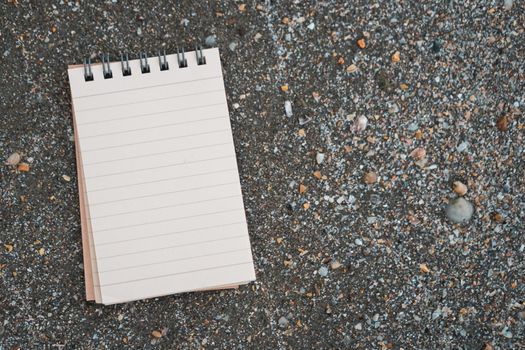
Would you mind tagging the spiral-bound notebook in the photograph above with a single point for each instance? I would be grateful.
(160, 196)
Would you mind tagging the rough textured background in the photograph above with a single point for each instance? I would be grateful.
(462, 63)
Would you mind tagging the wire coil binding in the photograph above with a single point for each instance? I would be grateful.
(145, 68)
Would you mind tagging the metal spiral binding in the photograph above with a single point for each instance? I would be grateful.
(163, 62)
(181, 58)
(88, 74)
(144, 65)
(126, 69)
(200, 57)
(106, 69)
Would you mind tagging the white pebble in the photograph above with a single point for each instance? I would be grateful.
(311, 26)
(210, 41)
(436, 313)
(288, 108)
(462, 146)
(283, 322)
(360, 124)
(358, 326)
(13, 159)
(232, 46)
(459, 210)
(319, 158)
(508, 4)
(323, 271)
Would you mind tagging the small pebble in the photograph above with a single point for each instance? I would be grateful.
(370, 178)
(436, 313)
(418, 153)
(462, 146)
(304, 120)
(288, 108)
(323, 271)
(413, 127)
(283, 322)
(66, 178)
(424, 268)
(503, 123)
(139, 31)
(396, 57)
(233, 46)
(23, 167)
(358, 241)
(459, 210)
(319, 158)
(335, 265)
(351, 68)
(360, 124)
(459, 187)
(156, 334)
(507, 4)
(437, 45)
(358, 326)
(506, 332)
(13, 159)
(210, 41)
(311, 26)
(347, 341)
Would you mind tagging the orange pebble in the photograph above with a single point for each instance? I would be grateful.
(24, 167)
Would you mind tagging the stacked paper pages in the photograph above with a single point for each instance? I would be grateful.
(160, 197)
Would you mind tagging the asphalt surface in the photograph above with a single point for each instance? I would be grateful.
(340, 263)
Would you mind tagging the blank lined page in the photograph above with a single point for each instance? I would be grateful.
(160, 179)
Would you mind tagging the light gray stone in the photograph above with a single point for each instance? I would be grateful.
(459, 210)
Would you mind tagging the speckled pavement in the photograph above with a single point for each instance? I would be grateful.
(352, 246)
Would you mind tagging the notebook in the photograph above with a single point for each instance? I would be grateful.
(160, 198)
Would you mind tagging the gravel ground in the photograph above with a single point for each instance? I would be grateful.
(390, 103)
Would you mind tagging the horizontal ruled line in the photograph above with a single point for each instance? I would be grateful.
(177, 273)
(173, 260)
(157, 167)
(152, 114)
(162, 193)
(169, 247)
(150, 87)
(150, 100)
(151, 127)
(170, 233)
(169, 220)
(153, 141)
(165, 206)
(157, 153)
(163, 180)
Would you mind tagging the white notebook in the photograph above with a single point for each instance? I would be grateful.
(160, 196)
